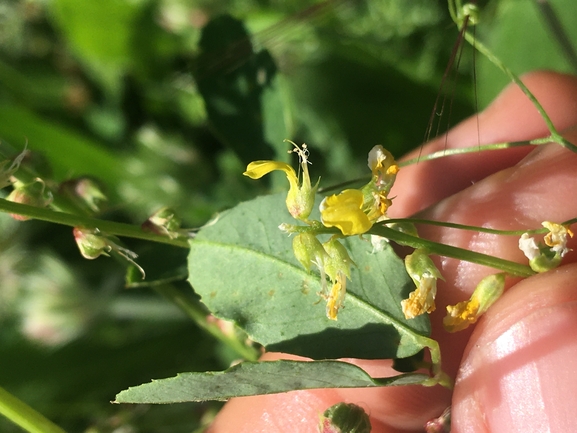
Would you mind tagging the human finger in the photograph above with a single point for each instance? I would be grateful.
(518, 370)
(510, 117)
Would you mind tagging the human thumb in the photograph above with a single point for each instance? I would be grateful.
(518, 370)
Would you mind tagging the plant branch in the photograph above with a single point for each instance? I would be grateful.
(24, 416)
(108, 227)
(198, 314)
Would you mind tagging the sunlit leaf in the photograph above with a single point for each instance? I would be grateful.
(259, 378)
(244, 269)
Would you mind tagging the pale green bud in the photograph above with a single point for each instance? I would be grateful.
(91, 243)
(164, 222)
(345, 418)
(85, 192)
(338, 259)
(308, 250)
(32, 194)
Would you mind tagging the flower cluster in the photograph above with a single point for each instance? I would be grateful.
(353, 212)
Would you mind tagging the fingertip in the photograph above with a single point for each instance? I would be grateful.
(510, 117)
(518, 373)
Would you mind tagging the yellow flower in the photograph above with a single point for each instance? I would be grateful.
(422, 299)
(300, 198)
(355, 211)
(384, 168)
(337, 296)
(338, 268)
(547, 256)
(460, 316)
(345, 211)
(557, 237)
(466, 313)
(424, 274)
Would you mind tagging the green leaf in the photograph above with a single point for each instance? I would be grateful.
(244, 269)
(101, 35)
(68, 152)
(258, 378)
(519, 36)
(231, 78)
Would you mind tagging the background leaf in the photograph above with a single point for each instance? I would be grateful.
(231, 79)
(244, 269)
(259, 378)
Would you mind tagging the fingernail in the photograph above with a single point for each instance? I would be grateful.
(521, 378)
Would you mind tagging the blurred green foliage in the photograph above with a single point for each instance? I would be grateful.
(136, 95)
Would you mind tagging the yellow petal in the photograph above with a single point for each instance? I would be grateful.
(337, 296)
(422, 299)
(257, 169)
(382, 162)
(344, 211)
(462, 315)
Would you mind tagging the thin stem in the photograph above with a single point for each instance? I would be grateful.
(555, 136)
(443, 154)
(24, 416)
(473, 228)
(196, 312)
(511, 268)
(108, 227)
(461, 151)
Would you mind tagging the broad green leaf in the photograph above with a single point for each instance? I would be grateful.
(258, 378)
(231, 78)
(244, 269)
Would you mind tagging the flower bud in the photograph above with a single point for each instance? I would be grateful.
(344, 418)
(308, 250)
(441, 424)
(85, 192)
(164, 222)
(32, 194)
(91, 243)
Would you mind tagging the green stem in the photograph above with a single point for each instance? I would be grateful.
(511, 268)
(555, 136)
(473, 228)
(24, 416)
(436, 248)
(108, 227)
(450, 152)
(439, 376)
(196, 312)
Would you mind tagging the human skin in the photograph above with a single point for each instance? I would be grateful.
(514, 370)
